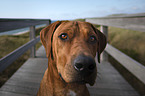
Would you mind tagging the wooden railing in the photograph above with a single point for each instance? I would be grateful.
(132, 22)
(11, 24)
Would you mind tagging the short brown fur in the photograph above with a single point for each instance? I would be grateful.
(60, 78)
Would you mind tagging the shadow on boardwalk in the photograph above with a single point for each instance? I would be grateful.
(26, 81)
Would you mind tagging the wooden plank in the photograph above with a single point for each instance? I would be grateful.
(37, 68)
(12, 24)
(31, 71)
(21, 83)
(26, 81)
(7, 60)
(3, 93)
(110, 83)
(32, 36)
(41, 53)
(130, 15)
(104, 30)
(130, 64)
(112, 86)
(28, 75)
(20, 90)
(132, 23)
(108, 92)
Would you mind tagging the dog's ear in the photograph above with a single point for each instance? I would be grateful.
(102, 42)
(46, 36)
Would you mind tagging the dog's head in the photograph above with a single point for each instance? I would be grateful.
(73, 46)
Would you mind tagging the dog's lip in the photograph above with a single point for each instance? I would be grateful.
(79, 82)
(61, 78)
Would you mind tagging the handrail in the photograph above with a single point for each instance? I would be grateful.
(133, 22)
(10, 24)
(8, 59)
(130, 64)
(136, 23)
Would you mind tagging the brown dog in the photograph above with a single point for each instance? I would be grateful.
(70, 47)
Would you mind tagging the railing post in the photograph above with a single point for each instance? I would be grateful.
(104, 30)
(49, 22)
(32, 36)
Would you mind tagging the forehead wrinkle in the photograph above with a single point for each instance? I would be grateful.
(69, 25)
(66, 30)
(86, 31)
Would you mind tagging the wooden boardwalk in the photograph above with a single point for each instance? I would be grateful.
(110, 83)
(25, 82)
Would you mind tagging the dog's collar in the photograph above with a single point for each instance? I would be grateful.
(62, 78)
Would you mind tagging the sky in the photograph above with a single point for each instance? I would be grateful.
(68, 9)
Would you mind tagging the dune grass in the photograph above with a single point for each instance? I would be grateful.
(79, 20)
(130, 42)
(8, 43)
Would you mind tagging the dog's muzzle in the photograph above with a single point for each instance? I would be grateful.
(85, 65)
(84, 70)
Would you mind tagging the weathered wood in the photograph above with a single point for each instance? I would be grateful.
(23, 83)
(4, 93)
(9, 24)
(130, 64)
(20, 90)
(104, 30)
(48, 23)
(7, 60)
(128, 22)
(41, 53)
(110, 83)
(32, 36)
(26, 80)
(12, 24)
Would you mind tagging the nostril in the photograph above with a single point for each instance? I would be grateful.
(79, 66)
(91, 67)
(84, 64)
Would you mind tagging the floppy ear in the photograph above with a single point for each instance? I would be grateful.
(102, 42)
(46, 36)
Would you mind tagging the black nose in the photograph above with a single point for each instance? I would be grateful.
(85, 64)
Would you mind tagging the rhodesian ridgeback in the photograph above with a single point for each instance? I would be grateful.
(70, 48)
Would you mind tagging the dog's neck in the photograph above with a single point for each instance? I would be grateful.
(59, 87)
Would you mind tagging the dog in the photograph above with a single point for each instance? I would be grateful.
(70, 48)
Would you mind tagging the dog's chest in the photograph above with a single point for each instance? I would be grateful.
(71, 93)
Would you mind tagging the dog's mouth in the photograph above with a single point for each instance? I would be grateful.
(61, 78)
(78, 82)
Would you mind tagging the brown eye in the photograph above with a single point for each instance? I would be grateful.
(92, 39)
(63, 36)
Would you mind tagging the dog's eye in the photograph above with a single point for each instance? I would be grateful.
(63, 36)
(92, 39)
